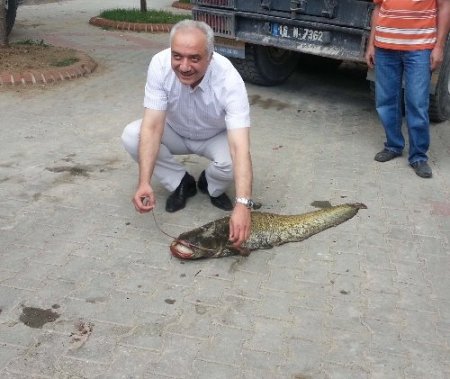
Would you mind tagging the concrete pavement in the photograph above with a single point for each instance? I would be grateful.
(88, 288)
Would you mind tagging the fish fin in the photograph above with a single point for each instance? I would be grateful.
(243, 251)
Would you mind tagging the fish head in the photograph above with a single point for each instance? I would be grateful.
(184, 249)
(207, 241)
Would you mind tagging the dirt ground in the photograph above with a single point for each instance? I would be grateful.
(19, 58)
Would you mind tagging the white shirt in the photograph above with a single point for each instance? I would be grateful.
(218, 103)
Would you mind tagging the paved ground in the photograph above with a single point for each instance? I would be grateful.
(88, 288)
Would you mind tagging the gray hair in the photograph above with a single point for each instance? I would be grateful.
(200, 25)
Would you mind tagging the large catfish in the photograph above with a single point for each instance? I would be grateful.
(267, 230)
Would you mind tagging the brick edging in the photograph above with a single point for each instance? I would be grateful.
(84, 66)
(180, 5)
(131, 26)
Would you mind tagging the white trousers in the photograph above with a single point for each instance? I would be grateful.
(169, 172)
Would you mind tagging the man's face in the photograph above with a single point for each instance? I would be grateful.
(190, 58)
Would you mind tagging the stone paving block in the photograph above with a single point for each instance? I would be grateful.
(433, 247)
(348, 264)
(17, 336)
(380, 281)
(268, 336)
(16, 258)
(387, 366)
(10, 298)
(204, 369)
(421, 326)
(283, 279)
(85, 309)
(196, 320)
(130, 362)
(275, 305)
(225, 346)
(310, 324)
(417, 297)
(237, 311)
(259, 364)
(41, 357)
(179, 355)
(246, 284)
(83, 368)
(7, 353)
(124, 308)
(289, 255)
(207, 290)
(100, 346)
(336, 370)
(346, 348)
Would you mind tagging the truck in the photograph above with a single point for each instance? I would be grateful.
(266, 39)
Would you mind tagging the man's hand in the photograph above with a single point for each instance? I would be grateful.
(437, 57)
(370, 56)
(144, 199)
(240, 224)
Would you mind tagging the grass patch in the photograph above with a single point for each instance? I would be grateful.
(30, 42)
(65, 62)
(150, 17)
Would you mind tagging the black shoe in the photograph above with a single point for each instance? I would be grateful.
(177, 199)
(222, 201)
(422, 169)
(386, 155)
(202, 183)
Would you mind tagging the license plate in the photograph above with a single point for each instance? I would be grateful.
(300, 33)
(230, 48)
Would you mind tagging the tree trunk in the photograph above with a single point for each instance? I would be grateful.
(3, 29)
(143, 5)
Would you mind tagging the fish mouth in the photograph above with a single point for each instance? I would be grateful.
(180, 249)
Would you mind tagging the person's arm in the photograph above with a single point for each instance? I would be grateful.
(443, 26)
(152, 128)
(370, 49)
(240, 220)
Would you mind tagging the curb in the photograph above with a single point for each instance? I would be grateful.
(85, 65)
(130, 26)
(180, 5)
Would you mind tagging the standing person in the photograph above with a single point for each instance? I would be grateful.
(407, 42)
(195, 103)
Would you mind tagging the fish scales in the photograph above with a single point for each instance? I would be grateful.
(268, 230)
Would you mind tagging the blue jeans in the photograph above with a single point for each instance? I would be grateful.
(413, 68)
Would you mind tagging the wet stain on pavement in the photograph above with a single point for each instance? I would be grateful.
(37, 317)
(200, 309)
(95, 300)
(267, 103)
(321, 204)
(73, 170)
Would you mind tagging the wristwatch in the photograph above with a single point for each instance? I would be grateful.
(249, 203)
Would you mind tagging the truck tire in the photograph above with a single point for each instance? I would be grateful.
(440, 101)
(11, 9)
(266, 66)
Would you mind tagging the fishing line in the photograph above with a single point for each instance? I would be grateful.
(185, 243)
(159, 228)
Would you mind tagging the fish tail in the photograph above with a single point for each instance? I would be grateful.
(359, 205)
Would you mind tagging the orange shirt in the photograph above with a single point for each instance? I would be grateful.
(406, 24)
